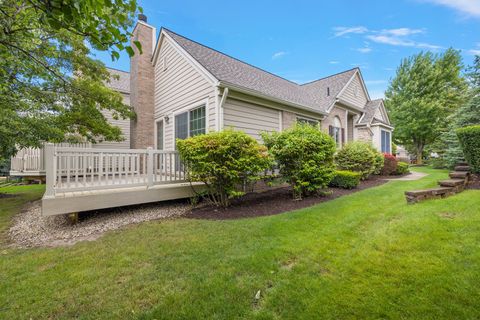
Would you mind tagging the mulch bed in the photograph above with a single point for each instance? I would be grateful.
(272, 202)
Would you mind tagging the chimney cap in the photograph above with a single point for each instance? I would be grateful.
(142, 17)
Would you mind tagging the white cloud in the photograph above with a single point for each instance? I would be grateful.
(394, 37)
(341, 31)
(467, 7)
(399, 37)
(402, 32)
(334, 62)
(475, 52)
(279, 54)
(364, 50)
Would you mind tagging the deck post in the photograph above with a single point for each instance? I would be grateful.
(150, 167)
(50, 169)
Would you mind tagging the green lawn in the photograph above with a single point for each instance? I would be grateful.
(367, 255)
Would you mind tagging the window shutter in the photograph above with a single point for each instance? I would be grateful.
(330, 131)
(343, 135)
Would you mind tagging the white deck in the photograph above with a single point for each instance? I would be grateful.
(80, 178)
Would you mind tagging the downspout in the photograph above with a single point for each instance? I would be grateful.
(220, 108)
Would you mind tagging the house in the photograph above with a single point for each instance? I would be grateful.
(180, 88)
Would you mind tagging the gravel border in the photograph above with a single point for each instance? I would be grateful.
(31, 229)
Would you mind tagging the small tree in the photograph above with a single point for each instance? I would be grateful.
(359, 157)
(304, 155)
(223, 161)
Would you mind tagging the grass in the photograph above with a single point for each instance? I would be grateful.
(11, 206)
(368, 255)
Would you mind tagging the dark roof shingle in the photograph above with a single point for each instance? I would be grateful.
(120, 83)
(238, 73)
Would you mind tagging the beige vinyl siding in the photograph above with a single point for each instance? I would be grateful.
(250, 118)
(178, 88)
(379, 115)
(360, 99)
(123, 124)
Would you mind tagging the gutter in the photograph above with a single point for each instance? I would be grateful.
(220, 109)
(254, 93)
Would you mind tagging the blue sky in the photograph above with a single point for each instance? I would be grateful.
(306, 40)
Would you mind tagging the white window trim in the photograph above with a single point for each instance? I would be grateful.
(188, 108)
(307, 119)
(156, 133)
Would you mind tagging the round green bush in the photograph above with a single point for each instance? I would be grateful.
(359, 157)
(345, 179)
(304, 155)
(402, 168)
(470, 142)
(223, 161)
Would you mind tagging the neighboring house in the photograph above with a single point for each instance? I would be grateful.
(180, 88)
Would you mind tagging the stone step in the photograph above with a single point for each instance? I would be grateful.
(462, 168)
(458, 174)
(419, 195)
(462, 163)
(432, 191)
(451, 182)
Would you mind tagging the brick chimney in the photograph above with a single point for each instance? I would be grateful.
(142, 82)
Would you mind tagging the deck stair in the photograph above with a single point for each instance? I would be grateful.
(457, 182)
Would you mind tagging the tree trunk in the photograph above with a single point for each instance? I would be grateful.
(420, 155)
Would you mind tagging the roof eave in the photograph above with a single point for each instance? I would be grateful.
(254, 93)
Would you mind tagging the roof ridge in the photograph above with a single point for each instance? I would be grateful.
(116, 69)
(333, 75)
(227, 55)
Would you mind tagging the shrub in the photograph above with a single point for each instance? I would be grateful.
(402, 168)
(223, 161)
(379, 161)
(357, 156)
(304, 155)
(470, 142)
(345, 179)
(389, 165)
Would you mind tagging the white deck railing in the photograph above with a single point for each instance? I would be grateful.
(32, 160)
(76, 169)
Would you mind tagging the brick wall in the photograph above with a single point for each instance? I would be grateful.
(363, 134)
(142, 81)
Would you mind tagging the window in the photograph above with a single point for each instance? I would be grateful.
(311, 122)
(336, 131)
(190, 123)
(160, 135)
(385, 136)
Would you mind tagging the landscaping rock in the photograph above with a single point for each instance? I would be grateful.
(31, 229)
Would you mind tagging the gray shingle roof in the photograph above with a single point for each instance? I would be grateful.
(370, 108)
(238, 73)
(122, 83)
(335, 83)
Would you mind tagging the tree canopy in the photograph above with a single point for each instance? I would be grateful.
(426, 89)
(51, 88)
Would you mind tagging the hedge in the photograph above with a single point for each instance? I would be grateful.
(357, 156)
(304, 155)
(389, 165)
(402, 168)
(470, 142)
(223, 161)
(345, 179)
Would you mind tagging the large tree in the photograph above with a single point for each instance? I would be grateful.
(426, 89)
(51, 89)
